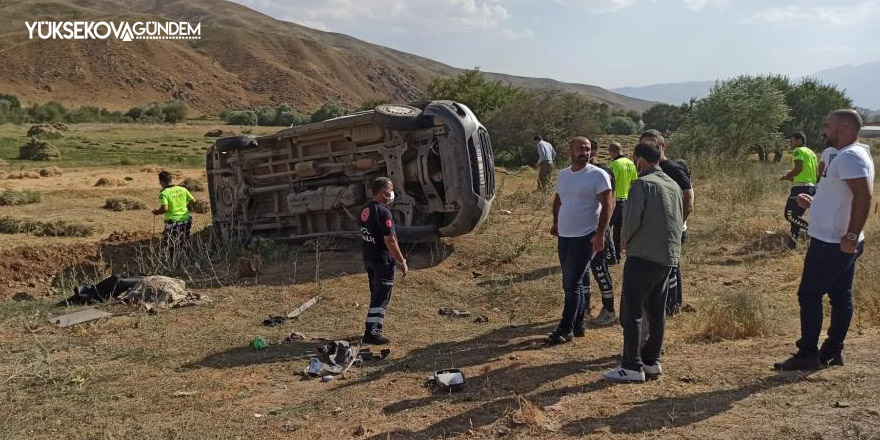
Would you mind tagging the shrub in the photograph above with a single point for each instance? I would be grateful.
(53, 228)
(328, 110)
(266, 116)
(621, 125)
(49, 112)
(124, 204)
(134, 113)
(12, 197)
(13, 101)
(241, 117)
(174, 111)
(38, 150)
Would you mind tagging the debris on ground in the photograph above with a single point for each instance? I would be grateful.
(326, 378)
(506, 212)
(80, 317)
(481, 319)
(259, 343)
(160, 292)
(367, 354)
(295, 336)
(302, 308)
(449, 380)
(841, 404)
(272, 321)
(105, 290)
(687, 308)
(250, 266)
(183, 393)
(453, 313)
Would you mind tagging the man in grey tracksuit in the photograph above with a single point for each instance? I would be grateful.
(653, 220)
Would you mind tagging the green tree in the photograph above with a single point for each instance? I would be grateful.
(14, 103)
(329, 110)
(174, 111)
(740, 116)
(266, 116)
(372, 103)
(810, 102)
(621, 125)
(471, 88)
(52, 111)
(241, 117)
(666, 118)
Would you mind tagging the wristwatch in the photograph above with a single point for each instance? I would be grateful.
(851, 237)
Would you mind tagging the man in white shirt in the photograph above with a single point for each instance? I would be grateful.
(839, 211)
(581, 212)
(546, 156)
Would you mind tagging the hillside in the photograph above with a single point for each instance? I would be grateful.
(244, 58)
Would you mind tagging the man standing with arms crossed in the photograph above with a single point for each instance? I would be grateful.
(581, 211)
(546, 156)
(625, 174)
(840, 209)
(679, 174)
(652, 227)
(380, 245)
(803, 178)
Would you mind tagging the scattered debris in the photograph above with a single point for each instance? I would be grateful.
(326, 378)
(453, 313)
(687, 379)
(476, 274)
(161, 292)
(259, 343)
(687, 308)
(506, 212)
(302, 308)
(295, 336)
(557, 407)
(82, 316)
(183, 393)
(368, 355)
(449, 380)
(841, 404)
(315, 368)
(481, 319)
(259, 416)
(274, 320)
(360, 431)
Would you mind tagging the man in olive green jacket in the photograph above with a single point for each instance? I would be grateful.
(652, 224)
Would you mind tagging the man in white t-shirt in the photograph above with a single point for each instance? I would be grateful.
(839, 211)
(546, 156)
(581, 212)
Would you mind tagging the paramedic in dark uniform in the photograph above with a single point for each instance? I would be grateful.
(381, 256)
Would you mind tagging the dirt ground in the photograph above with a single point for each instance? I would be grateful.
(188, 373)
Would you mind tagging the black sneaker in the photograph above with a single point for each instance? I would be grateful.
(830, 357)
(791, 242)
(558, 337)
(799, 362)
(375, 339)
(579, 332)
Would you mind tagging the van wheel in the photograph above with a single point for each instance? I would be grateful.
(398, 117)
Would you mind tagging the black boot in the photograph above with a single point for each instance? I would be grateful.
(832, 357)
(800, 361)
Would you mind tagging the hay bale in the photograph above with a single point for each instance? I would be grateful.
(60, 126)
(200, 207)
(45, 131)
(192, 185)
(50, 172)
(151, 169)
(11, 197)
(110, 182)
(38, 150)
(124, 204)
(54, 228)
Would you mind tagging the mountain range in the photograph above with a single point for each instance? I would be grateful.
(860, 83)
(243, 58)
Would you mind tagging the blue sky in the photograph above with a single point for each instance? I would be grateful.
(610, 43)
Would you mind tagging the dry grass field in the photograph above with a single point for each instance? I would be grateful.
(188, 373)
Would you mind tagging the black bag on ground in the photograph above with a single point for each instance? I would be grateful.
(110, 288)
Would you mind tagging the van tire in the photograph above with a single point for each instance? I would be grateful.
(398, 117)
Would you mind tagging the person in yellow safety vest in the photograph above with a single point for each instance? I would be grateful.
(174, 204)
(803, 177)
(625, 174)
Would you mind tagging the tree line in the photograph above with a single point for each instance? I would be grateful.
(13, 112)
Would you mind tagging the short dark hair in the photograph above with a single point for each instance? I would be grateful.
(849, 117)
(165, 177)
(649, 151)
(380, 184)
(654, 134)
(799, 135)
(537, 138)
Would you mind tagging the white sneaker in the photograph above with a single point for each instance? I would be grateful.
(605, 318)
(652, 371)
(621, 374)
